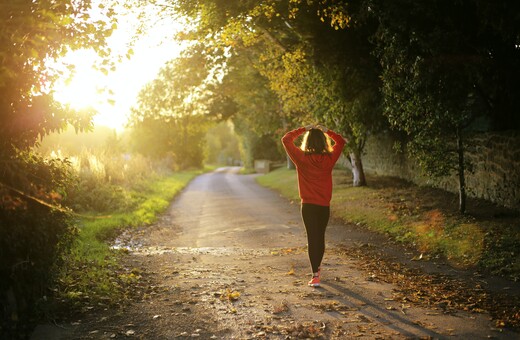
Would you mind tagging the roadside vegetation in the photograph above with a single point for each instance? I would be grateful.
(486, 238)
(105, 188)
(91, 274)
(112, 190)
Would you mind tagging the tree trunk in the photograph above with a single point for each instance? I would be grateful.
(462, 179)
(290, 164)
(358, 174)
(185, 161)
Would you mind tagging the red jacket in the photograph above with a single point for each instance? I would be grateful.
(314, 170)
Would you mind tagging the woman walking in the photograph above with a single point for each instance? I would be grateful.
(314, 161)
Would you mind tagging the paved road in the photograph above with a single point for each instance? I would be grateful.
(224, 209)
(229, 260)
(246, 238)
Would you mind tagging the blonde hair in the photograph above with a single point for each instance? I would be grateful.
(316, 142)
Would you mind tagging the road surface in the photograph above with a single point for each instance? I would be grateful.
(228, 260)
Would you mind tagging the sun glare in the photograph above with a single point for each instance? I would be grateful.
(112, 95)
(84, 87)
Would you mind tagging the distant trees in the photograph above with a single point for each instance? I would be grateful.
(169, 118)
(244, 96)
(222, 145)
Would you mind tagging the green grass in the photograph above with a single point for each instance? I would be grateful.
(91, 272)
(349, 203)
(281, 180)
(426, 219)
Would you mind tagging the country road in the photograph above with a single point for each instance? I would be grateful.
(228, 261)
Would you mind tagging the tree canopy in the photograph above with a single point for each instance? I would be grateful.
(33, 34)
(317, 68)
(434, 71)
(431, 70)
(447, 69)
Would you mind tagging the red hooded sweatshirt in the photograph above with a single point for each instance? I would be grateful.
(314, 170)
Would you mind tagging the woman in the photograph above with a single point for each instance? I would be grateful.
(314, 161)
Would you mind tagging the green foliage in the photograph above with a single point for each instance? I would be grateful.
(34, 231)
(102, 180)
(32, 34)
(305, 55)
(93, 195)
(222, 145)
(168, 120)
(252, 107)
(265, 147)
(328, 71)
(433, 81)
(434, 68)
(442, 65)
(426, 95)
(181, 140)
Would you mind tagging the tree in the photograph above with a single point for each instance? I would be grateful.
(442, 68)
(34, 228)
(169, 120)
(33, 33)
(256, 109)
(333, 74)
(318, 64)
(222, 144)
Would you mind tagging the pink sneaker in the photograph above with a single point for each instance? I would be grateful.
(314, 282)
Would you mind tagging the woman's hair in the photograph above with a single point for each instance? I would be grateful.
(315, 141)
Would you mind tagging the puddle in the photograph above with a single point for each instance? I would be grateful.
(216, 251)
(126, 243)
(140, 249)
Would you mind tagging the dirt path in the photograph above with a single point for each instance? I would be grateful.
(228, 260)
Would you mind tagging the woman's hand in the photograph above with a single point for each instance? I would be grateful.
(322, 128)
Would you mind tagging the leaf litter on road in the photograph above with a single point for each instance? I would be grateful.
(439, 291)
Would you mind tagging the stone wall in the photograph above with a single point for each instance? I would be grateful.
(495, 158)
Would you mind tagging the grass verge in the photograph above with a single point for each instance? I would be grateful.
(486, 238)
(91, 275)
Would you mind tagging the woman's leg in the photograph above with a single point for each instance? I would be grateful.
(315, 218)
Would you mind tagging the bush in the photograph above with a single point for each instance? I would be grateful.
(38, 238)
(34, 231)
(104, 180)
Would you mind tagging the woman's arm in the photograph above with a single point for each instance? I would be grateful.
(292, 150)
(339, 143)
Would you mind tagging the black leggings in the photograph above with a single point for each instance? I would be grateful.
(315, 218)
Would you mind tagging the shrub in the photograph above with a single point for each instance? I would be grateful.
(34, 231)
(103, 181)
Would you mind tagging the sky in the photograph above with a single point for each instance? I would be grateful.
(151, 52)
